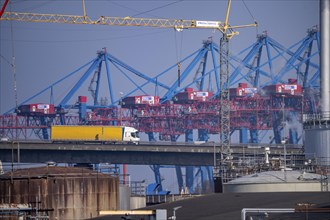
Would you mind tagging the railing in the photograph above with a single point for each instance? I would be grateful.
(324, 116)
(321, 120)
(157, 199)
(138, 188)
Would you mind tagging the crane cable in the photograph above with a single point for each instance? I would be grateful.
(255, 20)
(178, 53)
(13, 60)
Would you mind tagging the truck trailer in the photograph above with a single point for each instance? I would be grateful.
(102, 134)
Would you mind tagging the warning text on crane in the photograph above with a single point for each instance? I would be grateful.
(207, 24)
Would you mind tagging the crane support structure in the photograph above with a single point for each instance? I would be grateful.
(228, 31)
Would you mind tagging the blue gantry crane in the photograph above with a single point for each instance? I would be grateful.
(251, 69)
(254, 65)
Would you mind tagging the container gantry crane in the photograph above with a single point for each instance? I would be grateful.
(228, 31)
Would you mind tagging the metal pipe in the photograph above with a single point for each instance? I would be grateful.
(265, 210)
(325, 55)
(84, 9)
(15, 209)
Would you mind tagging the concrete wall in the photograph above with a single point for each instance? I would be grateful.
(138, 202)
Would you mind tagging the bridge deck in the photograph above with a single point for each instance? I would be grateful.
(145, 153)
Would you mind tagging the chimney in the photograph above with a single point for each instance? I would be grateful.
(325, 56)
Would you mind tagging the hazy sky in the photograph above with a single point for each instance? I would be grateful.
(45, 53)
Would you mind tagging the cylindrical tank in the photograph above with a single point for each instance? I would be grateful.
(275, 181)
(317, 127)
(72, 193)
(125, 194)
(317, 140)
(325, 55)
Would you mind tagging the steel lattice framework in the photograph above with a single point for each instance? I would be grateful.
(223, 114)
(228, 31)
(224, 96)
(252, 113)
(250, 69)
(123, 21)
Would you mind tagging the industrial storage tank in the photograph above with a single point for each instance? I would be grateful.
(61, 192)
(317, 138)
(276, 181)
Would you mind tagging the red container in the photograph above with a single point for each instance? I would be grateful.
(141, 100)
(292, 81)
(189, 90)
(290, 89)
(251, 90)
(242, 85)
(237, 92)
(202, 96)
(36, 109)
(190, 95)
(82, 99)
(242, 90)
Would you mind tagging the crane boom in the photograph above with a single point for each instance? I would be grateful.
(123, 21)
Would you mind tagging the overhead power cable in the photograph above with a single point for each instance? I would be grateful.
(159, 7)
(249, 11)
(145, 12)
(255, 21)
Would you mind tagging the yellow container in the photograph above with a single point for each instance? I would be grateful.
(86, 133)
(112, 133)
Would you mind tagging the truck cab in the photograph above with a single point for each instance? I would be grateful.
(131, 135)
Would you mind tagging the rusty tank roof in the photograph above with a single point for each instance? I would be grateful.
(51, 171)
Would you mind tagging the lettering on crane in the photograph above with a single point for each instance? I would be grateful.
(43, 106)
(214, 24)
(202, 94)
(148, 99)
(250, 90)
(290, 87)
